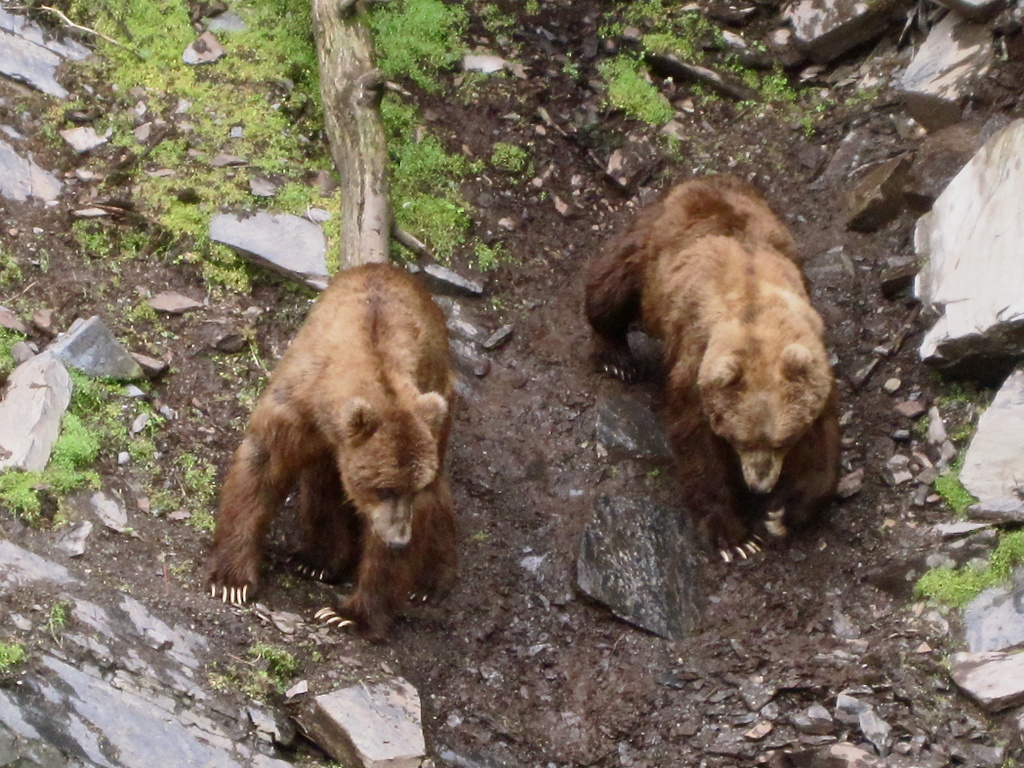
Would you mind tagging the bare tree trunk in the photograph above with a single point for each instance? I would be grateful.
(351, 87)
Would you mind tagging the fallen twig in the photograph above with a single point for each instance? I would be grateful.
(69, 23)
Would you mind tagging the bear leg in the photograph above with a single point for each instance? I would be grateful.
(613, 291)
(330, 527)
(434, 555)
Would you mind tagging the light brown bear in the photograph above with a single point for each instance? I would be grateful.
(751, 407)
(357, 414)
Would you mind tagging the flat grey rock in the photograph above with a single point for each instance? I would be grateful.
(373, 726)
(21, 179)
(174, 303)
(205, 49)
(91, 348)
(449, 282)
(83, 139)
(628, 430)
(37, 394)
(72, 541)
(994, 679)
(288, 244)
(994, 464)
(994, 620)
(124, 690)
(636, 557)
(952, 60)
(1001, 509)
(972, 270)
(29, 63)
(826, 29)
(110, 511)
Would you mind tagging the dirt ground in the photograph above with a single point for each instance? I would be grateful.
(516, 667)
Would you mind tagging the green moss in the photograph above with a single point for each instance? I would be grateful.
(630, 92)
(10, 270)
(8, 339)
(425, 182)
(949, 487)
(418, 39)
(956, 587)
(490, 257)
(11, 653)
(247, 91)
(509, 157)
(280, 663)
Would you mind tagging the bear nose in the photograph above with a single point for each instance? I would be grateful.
(760, 470)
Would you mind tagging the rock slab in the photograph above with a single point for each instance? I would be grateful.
(994, 679)
(972, 271)
(373, 726)
(38, 393)
(21, 179)
(636, 557)
(90, 347)
(994, 620)
(956, 54)
(288, 244)
(994, 463)
(826, 29)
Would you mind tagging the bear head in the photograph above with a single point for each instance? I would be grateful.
(761, 390)
(386, 456)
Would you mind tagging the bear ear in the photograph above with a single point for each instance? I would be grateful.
(797, 361)
(359, 420)
(433, 409)
(722, 372)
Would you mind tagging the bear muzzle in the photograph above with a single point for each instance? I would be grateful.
(761, 469)
(391, 521)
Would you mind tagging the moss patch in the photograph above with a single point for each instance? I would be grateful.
(630, 91)
(11, 653)
(956, 587)
(417, 39)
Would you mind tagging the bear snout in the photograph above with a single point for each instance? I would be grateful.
(761, 470)
(391, 521)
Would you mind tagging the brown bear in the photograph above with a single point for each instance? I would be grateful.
(750, 400)
(357, 415)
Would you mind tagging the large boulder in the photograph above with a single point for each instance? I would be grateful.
(972, 269)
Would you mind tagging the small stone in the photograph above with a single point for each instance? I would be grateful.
(851, 484)
(110, 512)
(10, 321)
(816, 720)
(759, 731)
(486, 63)
(173, 303)
(498, 338)
(83, 139)
(73, 540)
(912, 409)
(298, 689)
(91, 348)
(224, 160)
(153, 367)
(123, 458)
(891, 385)
(206, 49)
(448, 282)
(262, 187)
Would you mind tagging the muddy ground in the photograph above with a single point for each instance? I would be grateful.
(516, 667)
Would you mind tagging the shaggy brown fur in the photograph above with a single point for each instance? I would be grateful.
(357, 414)
(751, 408)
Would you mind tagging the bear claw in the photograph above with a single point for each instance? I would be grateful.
(774, 524)
(743, 551)
(330, 617)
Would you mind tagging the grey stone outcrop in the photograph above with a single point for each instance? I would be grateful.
(288, 244)
(994, 679)
(90, 347)
(637, 558)
(994, 464)
(945, 70)
(826, 29)
(972, 270)
(37, 394)
(369, 725)
(21, 179)
(994, 620)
